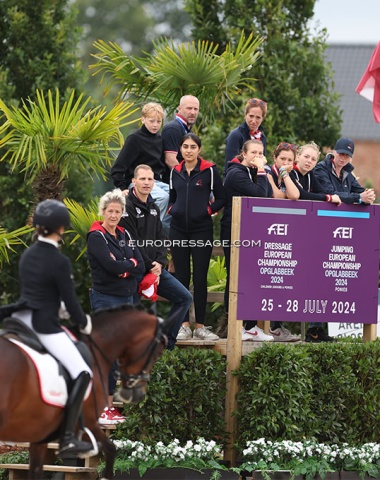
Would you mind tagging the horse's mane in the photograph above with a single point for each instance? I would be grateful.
(101, 318)
(119, 308)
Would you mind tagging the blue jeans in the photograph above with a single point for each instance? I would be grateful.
(173, 290)
(100, 301)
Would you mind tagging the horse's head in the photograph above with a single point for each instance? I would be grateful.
(141, 339)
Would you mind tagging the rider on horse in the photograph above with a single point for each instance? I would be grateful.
(46, 280)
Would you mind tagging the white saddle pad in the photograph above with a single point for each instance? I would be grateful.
(53, 387)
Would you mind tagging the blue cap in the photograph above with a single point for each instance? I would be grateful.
(345, 145)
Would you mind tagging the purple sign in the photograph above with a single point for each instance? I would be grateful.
(303, 261)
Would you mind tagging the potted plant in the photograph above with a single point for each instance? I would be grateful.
(310, 459)
(198, 459)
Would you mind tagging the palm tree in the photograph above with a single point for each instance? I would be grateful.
(189, 68)
(46, 139)
(81, 219)
(9, 239)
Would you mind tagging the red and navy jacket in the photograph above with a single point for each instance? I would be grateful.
(308, 186)
(242, 181)
(236, 140)
(189, 200)
(116, 268)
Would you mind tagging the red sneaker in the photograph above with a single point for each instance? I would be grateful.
(116, 414)
(110, 416)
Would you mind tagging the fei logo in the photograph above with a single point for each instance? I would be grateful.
(278, 229)
(343, 232)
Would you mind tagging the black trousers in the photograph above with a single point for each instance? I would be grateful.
(192, 262)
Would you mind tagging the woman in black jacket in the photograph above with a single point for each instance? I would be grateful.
(246, 177)
(116, 271)
(303, 176)
(192, 184)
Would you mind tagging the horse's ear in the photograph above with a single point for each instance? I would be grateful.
(169, 323)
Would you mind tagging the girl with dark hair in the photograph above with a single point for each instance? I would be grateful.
(192, 183)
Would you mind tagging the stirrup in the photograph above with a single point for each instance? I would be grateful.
(94, 443)
(73, 449)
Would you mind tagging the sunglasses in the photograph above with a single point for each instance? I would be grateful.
(257, 101)
(292, 146)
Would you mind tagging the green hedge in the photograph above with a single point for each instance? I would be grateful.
(329, 392)
(185, 399)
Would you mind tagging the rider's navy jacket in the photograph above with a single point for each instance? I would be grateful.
(346, 186)
(110, 258)
(46, 279)
(189, 200)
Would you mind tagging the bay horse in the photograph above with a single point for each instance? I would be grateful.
(131, 335)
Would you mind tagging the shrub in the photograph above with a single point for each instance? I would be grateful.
(185, 400)
(329, 392)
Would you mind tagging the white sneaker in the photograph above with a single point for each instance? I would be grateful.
(185, 333)
(255, 334)
(204, 333)
(282, 334)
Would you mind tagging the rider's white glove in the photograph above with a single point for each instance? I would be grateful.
(62, 312)
(88, 328)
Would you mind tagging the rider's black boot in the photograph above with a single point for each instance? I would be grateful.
(69, 443)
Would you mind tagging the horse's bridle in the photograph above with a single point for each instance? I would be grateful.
(133, 380)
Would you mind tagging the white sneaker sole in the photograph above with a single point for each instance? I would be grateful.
(109, 422)
(255, 338)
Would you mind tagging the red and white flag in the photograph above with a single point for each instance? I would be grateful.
(369, 85)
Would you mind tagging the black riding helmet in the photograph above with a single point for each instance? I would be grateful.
(50, 215)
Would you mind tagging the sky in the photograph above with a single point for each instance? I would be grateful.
(349, 21)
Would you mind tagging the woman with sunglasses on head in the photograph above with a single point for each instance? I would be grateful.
(254, 113)
(284, 158)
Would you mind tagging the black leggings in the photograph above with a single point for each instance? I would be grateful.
(200, 255)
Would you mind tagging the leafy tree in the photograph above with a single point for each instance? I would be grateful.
(38, 47)
(292, 75)
(131, 24)
(174, 70)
